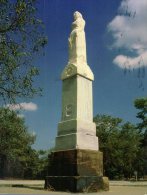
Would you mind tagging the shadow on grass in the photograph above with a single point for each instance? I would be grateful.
(36, 187)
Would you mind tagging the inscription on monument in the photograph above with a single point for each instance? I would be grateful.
(68, 110)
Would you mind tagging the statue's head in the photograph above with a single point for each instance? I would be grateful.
(77, 15)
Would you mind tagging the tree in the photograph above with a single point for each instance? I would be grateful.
(21, 37)
(15, 145)
(107, 129)
(17, 157)
(130, 142)
(43, 164)
(141, 104)
(120, 144)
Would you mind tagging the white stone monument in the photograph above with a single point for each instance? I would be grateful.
(76, 164)
(76, 129)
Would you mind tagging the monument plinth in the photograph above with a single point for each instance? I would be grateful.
(76, 164)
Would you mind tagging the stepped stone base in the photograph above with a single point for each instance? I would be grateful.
(76, 183)
(76, 171)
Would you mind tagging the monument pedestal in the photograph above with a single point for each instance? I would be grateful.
(76, 171)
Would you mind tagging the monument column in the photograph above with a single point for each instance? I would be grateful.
(76, 129)
(76, 163)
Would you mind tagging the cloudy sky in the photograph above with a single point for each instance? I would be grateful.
(116, 52)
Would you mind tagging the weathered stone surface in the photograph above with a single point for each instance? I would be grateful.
(105, 183)
(76, 141)
(71, 70)
(76, 163)
(75, 183)
(76, 125)
(76, 171)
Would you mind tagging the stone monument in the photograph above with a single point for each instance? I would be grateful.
(76, 164)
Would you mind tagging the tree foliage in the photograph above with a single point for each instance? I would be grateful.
(120, 144)
(15, 143)
(141, 105)
(17, 157)
(21, 37)
(13, 133)
(43, 164)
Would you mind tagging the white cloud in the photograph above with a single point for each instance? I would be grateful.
(23, 106)
(131, 62)
(129, 30)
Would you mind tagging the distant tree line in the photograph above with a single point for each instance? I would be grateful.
(17, 157)
(124, 145)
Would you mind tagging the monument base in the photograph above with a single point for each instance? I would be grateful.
(76, 183)
(76, 170)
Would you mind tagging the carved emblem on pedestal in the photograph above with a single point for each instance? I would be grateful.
(69, 71)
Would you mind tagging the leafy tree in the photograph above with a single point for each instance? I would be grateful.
(130, 142)
(141, 104)
(37, 164)
(107, 131)
(21, 37)
(15, 144)
(43, 163)
(120, 145)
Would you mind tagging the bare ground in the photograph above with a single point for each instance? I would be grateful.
(36, 187)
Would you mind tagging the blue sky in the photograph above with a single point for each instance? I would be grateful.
(111, 50)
